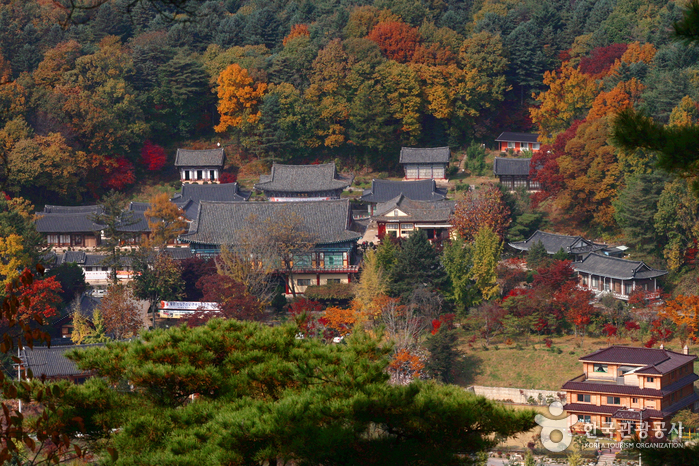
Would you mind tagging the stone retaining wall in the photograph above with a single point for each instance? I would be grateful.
(517, 395)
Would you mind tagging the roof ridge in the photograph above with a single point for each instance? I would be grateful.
(618, 259)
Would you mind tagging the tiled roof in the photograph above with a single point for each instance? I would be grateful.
(638, 356)
(615, 267)
(554, 242)
(179, 253)
(51, 362)
(62, 209)
(219, 223)
(424, 155)
(517, 137)
(503, 166)
(134, 219)
(199, 158)
(418, 211)
(75, 222)
(593, 409)
(192, 194)
(303, 178)
(385, 190)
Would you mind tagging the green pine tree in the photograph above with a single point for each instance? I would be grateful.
(443, 354)
(417, 264)
(536, 255)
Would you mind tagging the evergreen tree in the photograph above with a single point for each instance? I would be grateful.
(260, 400)
(560, 255)
(443, 354)
(417, 264)
(536, 255)
(115, 221)
(635, 208)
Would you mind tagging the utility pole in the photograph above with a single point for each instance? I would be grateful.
(19, 374)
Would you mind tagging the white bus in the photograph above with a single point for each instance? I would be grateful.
(184, 309)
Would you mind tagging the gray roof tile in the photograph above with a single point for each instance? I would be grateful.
(192, 194)
(303, 178)
(424, 155)
(554, 242)
(76, 222)
(219, 223)
(199, 158)
(417, 211)
(503, 166)
(62, 209)
(517, 137)
(52, 362)
(385, 190)
(615, 267)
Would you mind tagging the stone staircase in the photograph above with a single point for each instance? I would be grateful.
(606, 459)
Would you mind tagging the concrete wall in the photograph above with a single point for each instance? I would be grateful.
(515, 395)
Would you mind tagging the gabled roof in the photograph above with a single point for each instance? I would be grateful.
(416, 211)
(303, 178)
(221, 223)
(385, 190)
(52, 362)
(662, 360)
(503, 166)
(554, 242)
(84, 259)
(517, 137)
(192, 194)
(424, 155)
(615, 267)
(199, 158)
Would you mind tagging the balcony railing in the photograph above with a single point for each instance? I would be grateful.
(331, 268)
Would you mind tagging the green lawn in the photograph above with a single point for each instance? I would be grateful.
(533, 366)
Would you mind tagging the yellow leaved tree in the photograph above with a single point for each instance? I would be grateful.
(683, 311)
(238, 98)
(13, 257)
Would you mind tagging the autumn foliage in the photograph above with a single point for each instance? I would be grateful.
(297, 30)
(118, 173)
(233, 300)
(601, 60)
(482, 208)
(40, 297)
(153, 156)
(683, 311)
(238, 98)
(397, 40)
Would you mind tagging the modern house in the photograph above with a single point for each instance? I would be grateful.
(425, 163)
(69, 227)
(191, 195)
(575, 246)
(303, 182)
(600, 274)
(517, 142)
(403, 216)
(199, 166)
(385, 190)
(325, 227)
(515, 173)
(622, 387)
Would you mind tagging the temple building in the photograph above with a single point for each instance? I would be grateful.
(403, 216)
(425, 163)
(385, 190)
(200, 166)
(325, 228)
(303, 183)
(515, 173)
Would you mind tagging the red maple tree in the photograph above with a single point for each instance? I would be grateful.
(396, 40)
(153, 156)
(233, 300)
(118, 173)
(39, 297)
(601, 59)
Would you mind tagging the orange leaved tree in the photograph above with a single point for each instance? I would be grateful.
(683, 311)
(238, 98)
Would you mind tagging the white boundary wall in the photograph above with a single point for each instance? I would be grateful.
(516, 395)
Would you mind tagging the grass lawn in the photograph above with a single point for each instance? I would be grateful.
(534, 366)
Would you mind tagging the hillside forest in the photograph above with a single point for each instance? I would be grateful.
(101, 100)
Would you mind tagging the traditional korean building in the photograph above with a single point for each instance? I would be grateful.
(575, 246)
(622, 387)
(69, 227)
(600, 274)
(303, 182)
(52, 364)
(425, 163)
(386, 190)
(515, 173)
(331, 259)
(517, 142)
(199, 166)
(403, 216)
(191, 195)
